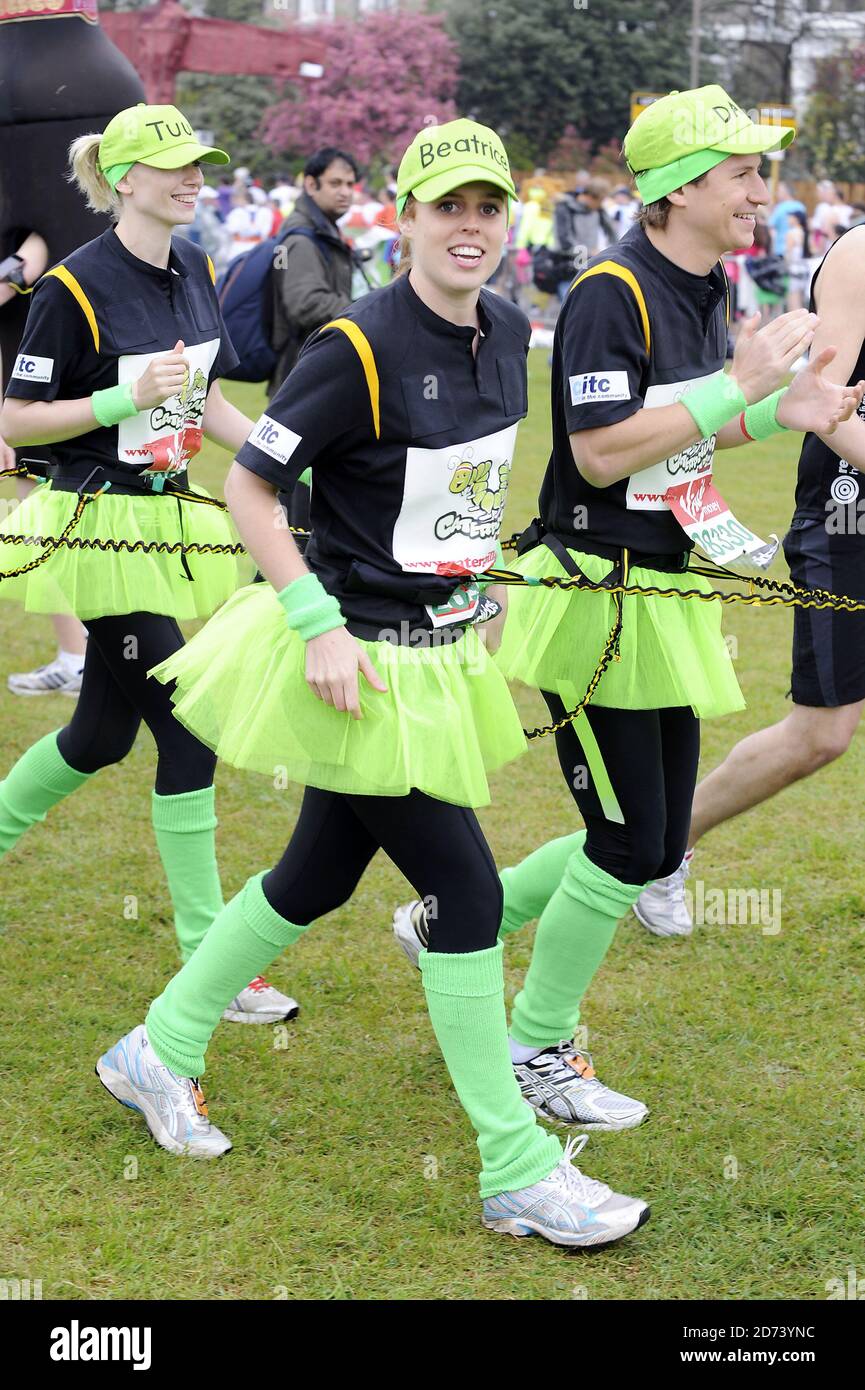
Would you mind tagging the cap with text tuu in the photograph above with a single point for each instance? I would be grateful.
(441, 158)
(683, 135)
(157, 135)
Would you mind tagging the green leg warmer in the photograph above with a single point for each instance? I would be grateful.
(40, 778)
(240, 944)
(573, 936)
(529, 885)
(465, 998)
(184, 826)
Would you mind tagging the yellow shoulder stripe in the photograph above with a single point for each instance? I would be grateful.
(622, 273)
(68, 279)
(361, 345)
(212, 268)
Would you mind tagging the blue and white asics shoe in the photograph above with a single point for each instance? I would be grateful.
(567, 1208)
(172, 1105)
(560, 1085)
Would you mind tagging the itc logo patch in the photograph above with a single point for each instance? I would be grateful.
(599, 386)
(33, 368)
(274, 439)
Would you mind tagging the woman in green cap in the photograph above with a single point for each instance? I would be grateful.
(117, 371)
(360, 674)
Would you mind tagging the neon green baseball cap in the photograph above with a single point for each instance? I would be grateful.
(156, 135)
(685, 134)
(443, 157)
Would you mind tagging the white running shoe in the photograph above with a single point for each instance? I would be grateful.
(560, 1084)
(411, 929)
(661, 908)
(172, 1105)
(259, 1002)
(53, 679)
(567, 1208)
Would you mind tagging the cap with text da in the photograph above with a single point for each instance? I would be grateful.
(685, 134)
(441, 158)
(157, 135)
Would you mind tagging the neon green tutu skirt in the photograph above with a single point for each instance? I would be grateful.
(671, 651)
(446, 721)
(96, 583)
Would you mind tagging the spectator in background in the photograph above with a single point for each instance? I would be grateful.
(245, 224)
(224, 197)
(831, 216)
(312, 278)
(857, 214)
(582, 228)
(779, 216)
(622, 208)
(797, 253)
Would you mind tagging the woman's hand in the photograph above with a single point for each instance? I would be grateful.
(815, 403)
(166, 375)
(332, 664)
(491, 631)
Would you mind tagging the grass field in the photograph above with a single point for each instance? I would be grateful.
(353, 1174)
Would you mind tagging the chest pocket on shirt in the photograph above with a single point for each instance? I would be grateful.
(514, 383)
(429, 404)
(130, 325)
(203, 310)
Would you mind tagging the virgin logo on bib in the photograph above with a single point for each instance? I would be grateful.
(452, 505)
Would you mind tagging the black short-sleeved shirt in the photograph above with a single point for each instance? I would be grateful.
(411, 451)
(603, 372)
(824, 477)
(123, 312)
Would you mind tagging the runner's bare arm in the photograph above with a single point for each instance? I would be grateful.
(45, 422)
(260, 520)
(840, 295)
(223, 422)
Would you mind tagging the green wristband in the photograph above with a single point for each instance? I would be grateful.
(759, 419)
(306, 477)
(113, 405)
(714, 403)
(309, 608)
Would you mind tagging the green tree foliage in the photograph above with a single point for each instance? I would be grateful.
(532, 69)
(832, 135)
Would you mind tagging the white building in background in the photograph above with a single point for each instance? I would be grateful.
(785, 39)
(317, 11)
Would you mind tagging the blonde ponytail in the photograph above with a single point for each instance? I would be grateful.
(89, 178)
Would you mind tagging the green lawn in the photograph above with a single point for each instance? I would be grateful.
(353, 1172)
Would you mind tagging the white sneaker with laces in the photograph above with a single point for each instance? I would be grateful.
(566, 1208)
(411, 929)
(172, 1105)
(259, 1002)
(55, 678)
(561, 1085)
(662, 908)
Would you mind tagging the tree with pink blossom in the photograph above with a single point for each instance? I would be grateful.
(382, 82)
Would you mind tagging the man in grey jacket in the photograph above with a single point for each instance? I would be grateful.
(312, 275)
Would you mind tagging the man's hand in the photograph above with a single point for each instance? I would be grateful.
(332, 664)
(165, 376)
(815, 404)
(764, 356)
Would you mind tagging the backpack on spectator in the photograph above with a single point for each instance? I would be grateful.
(245, 293)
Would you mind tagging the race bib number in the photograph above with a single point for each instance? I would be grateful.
(452, 505)
(706, 519)
(165, 438)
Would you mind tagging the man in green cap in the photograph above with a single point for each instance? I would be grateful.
(640, 400)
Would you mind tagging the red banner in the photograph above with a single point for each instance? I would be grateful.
(48, 9)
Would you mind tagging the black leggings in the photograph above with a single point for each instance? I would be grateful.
(651, 759)
(440, 848)
(116, 694)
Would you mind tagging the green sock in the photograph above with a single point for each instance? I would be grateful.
(184, 826)
(573, 936)
(241, 943)
(465, 998)
(40, 778)
(529, 885)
